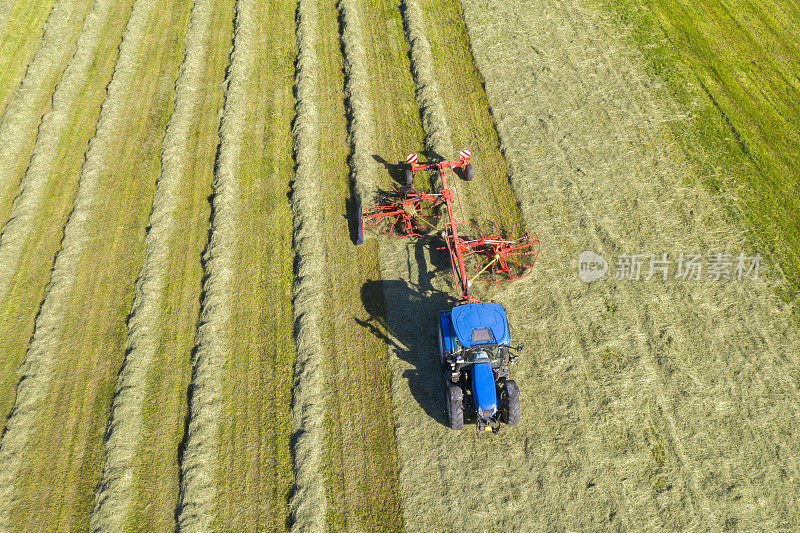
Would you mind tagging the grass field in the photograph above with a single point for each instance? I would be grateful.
(191, 340)
(733, 65)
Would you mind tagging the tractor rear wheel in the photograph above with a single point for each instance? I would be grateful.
(455, 406)
(509, 401)
(468, 172)
(409, 177)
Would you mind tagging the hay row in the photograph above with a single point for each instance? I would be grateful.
(30, 201)
(24, 28)
(114, 495)
(358, 100)
(308, 504)
(43, 350)
(24, 111)
(438, 138)
(200, 459)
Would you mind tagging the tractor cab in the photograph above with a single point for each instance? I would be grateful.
(469, 329)
(475, 354)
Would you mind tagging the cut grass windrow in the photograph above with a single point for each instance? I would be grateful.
(308, 503)
(199, 467)
(438, 138)
(24, 23)
(359, 135)
(29, 202)
(33, 235)
(18, 125)
(115, 493)
(43, 352)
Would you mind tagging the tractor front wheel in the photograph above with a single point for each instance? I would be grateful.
(509, 401)
(455, 406)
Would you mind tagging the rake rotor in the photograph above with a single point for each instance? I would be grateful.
(491, 257)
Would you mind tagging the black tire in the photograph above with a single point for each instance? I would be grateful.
(509, 401)
(468, 172)
(409, 177)
(455, 406)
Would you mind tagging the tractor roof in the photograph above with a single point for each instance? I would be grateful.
(480, 323)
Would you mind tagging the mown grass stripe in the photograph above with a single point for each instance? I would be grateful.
(438, 137)
(200, 461)
(42, 353)
(360, 134)
(5, 9)
(308, 503)
(114, 496)
(29, 202)
(255, 454)
(18, 125)
(360, 455)
(24, 25)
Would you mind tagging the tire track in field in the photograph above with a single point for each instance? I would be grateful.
(114, 496)
(37, 370)
(18, 125)
(29, 203)
(308, 503)
(581, 170)
(199, 463)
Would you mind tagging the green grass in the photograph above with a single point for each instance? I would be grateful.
(91, 344)
(23, 31)
(27, 285)
(734, 65)
(256, 470)
(156, 468)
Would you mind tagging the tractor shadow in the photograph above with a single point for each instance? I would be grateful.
(409, 329)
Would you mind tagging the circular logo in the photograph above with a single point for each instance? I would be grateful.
(591, 266)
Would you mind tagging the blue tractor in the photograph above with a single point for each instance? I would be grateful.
(474, 345)
(475, 355)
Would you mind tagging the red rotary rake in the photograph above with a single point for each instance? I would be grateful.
(491, 256)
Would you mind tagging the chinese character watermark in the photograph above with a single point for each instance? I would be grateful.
(715, 266)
